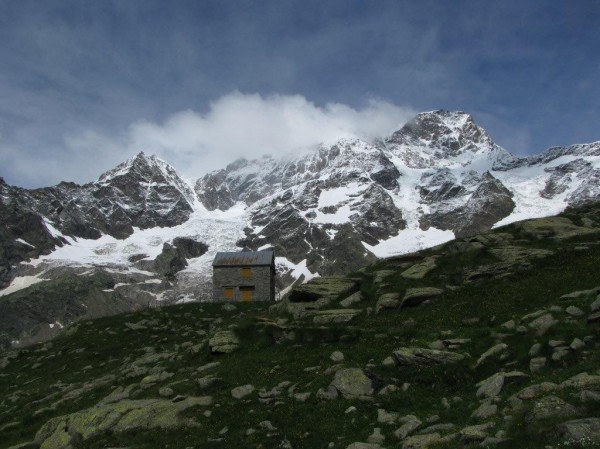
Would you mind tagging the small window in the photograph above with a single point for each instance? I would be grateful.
(229, 293)
(246, 272)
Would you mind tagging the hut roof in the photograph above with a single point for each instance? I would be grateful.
(244, 258)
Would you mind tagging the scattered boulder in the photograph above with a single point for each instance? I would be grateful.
(551, 407)
(580, 431)
(326, 287)
(376, 437)
(352, 383)
(387, 301)
(421, 441)
(242, 391)
(474, 434)
(335, 316)
(536, 364)
(582, 381)
(337, 356)
(574, 311)
(416, 296)
(359, 445)
(425, 357)
(223, 341)
(485, 411)
(350, 300)
(543, 323)
(384, 417)
(411, 423)
(498, 351)
(420, 270)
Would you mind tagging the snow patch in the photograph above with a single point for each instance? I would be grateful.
(409, 241)
(21, 282)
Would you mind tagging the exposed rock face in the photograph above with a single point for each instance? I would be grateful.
(126, 415)
(489, 203)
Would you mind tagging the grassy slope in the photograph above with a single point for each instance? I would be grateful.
(29, 384)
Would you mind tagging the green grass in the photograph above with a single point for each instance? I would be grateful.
(94, 349)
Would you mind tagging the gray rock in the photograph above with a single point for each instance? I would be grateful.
(495, 352)
(421, 441)
(536, 364)
(327, 394)
(582, 381)
(416, 296)
(408, 427)
(350, 300)
(420, 270)
(337, 356)
(352, 383)
(509, 325)
(166, 392)
(593, 318)
(384, 417)
(442, 427)
(223, 341)
(490, 387)
(207, 381)
(335, 316)
(359, 445)
(580, 431)
(551, 407)
(473, 434)
(387, 301)
(425, 357)
(535, 350)
(388, 361)
(580, 293)
(302, 397)
(577, 344)
(595, 305)
(242, 391)
(124, 416)
(376, 437)
(543, 323)
(485, 411)
(559, 353)
(574, 311)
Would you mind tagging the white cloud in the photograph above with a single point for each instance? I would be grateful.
(235, 125)
(249, 125)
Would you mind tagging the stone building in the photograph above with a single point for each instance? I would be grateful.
(244, 276)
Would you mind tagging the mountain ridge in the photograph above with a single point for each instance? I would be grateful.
(329, 211)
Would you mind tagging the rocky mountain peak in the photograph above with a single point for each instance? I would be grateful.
(452, 131)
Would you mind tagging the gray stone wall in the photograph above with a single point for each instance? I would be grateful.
(262, 280)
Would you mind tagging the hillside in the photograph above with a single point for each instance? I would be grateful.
(485, 341)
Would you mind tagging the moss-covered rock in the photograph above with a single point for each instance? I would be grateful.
(352, 383)
(420, 270)
(127, 415)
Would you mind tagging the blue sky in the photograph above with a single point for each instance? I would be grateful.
(84, 85)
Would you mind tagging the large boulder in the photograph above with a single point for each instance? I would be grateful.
(583, 431)
(223, 341)
(352, 383)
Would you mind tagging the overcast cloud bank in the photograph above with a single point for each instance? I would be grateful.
(235, 125)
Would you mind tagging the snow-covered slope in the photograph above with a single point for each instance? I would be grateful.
(324, 211)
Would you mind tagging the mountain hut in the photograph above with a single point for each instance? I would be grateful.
(244, 276)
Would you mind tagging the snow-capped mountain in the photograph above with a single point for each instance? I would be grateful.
(330, 210)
